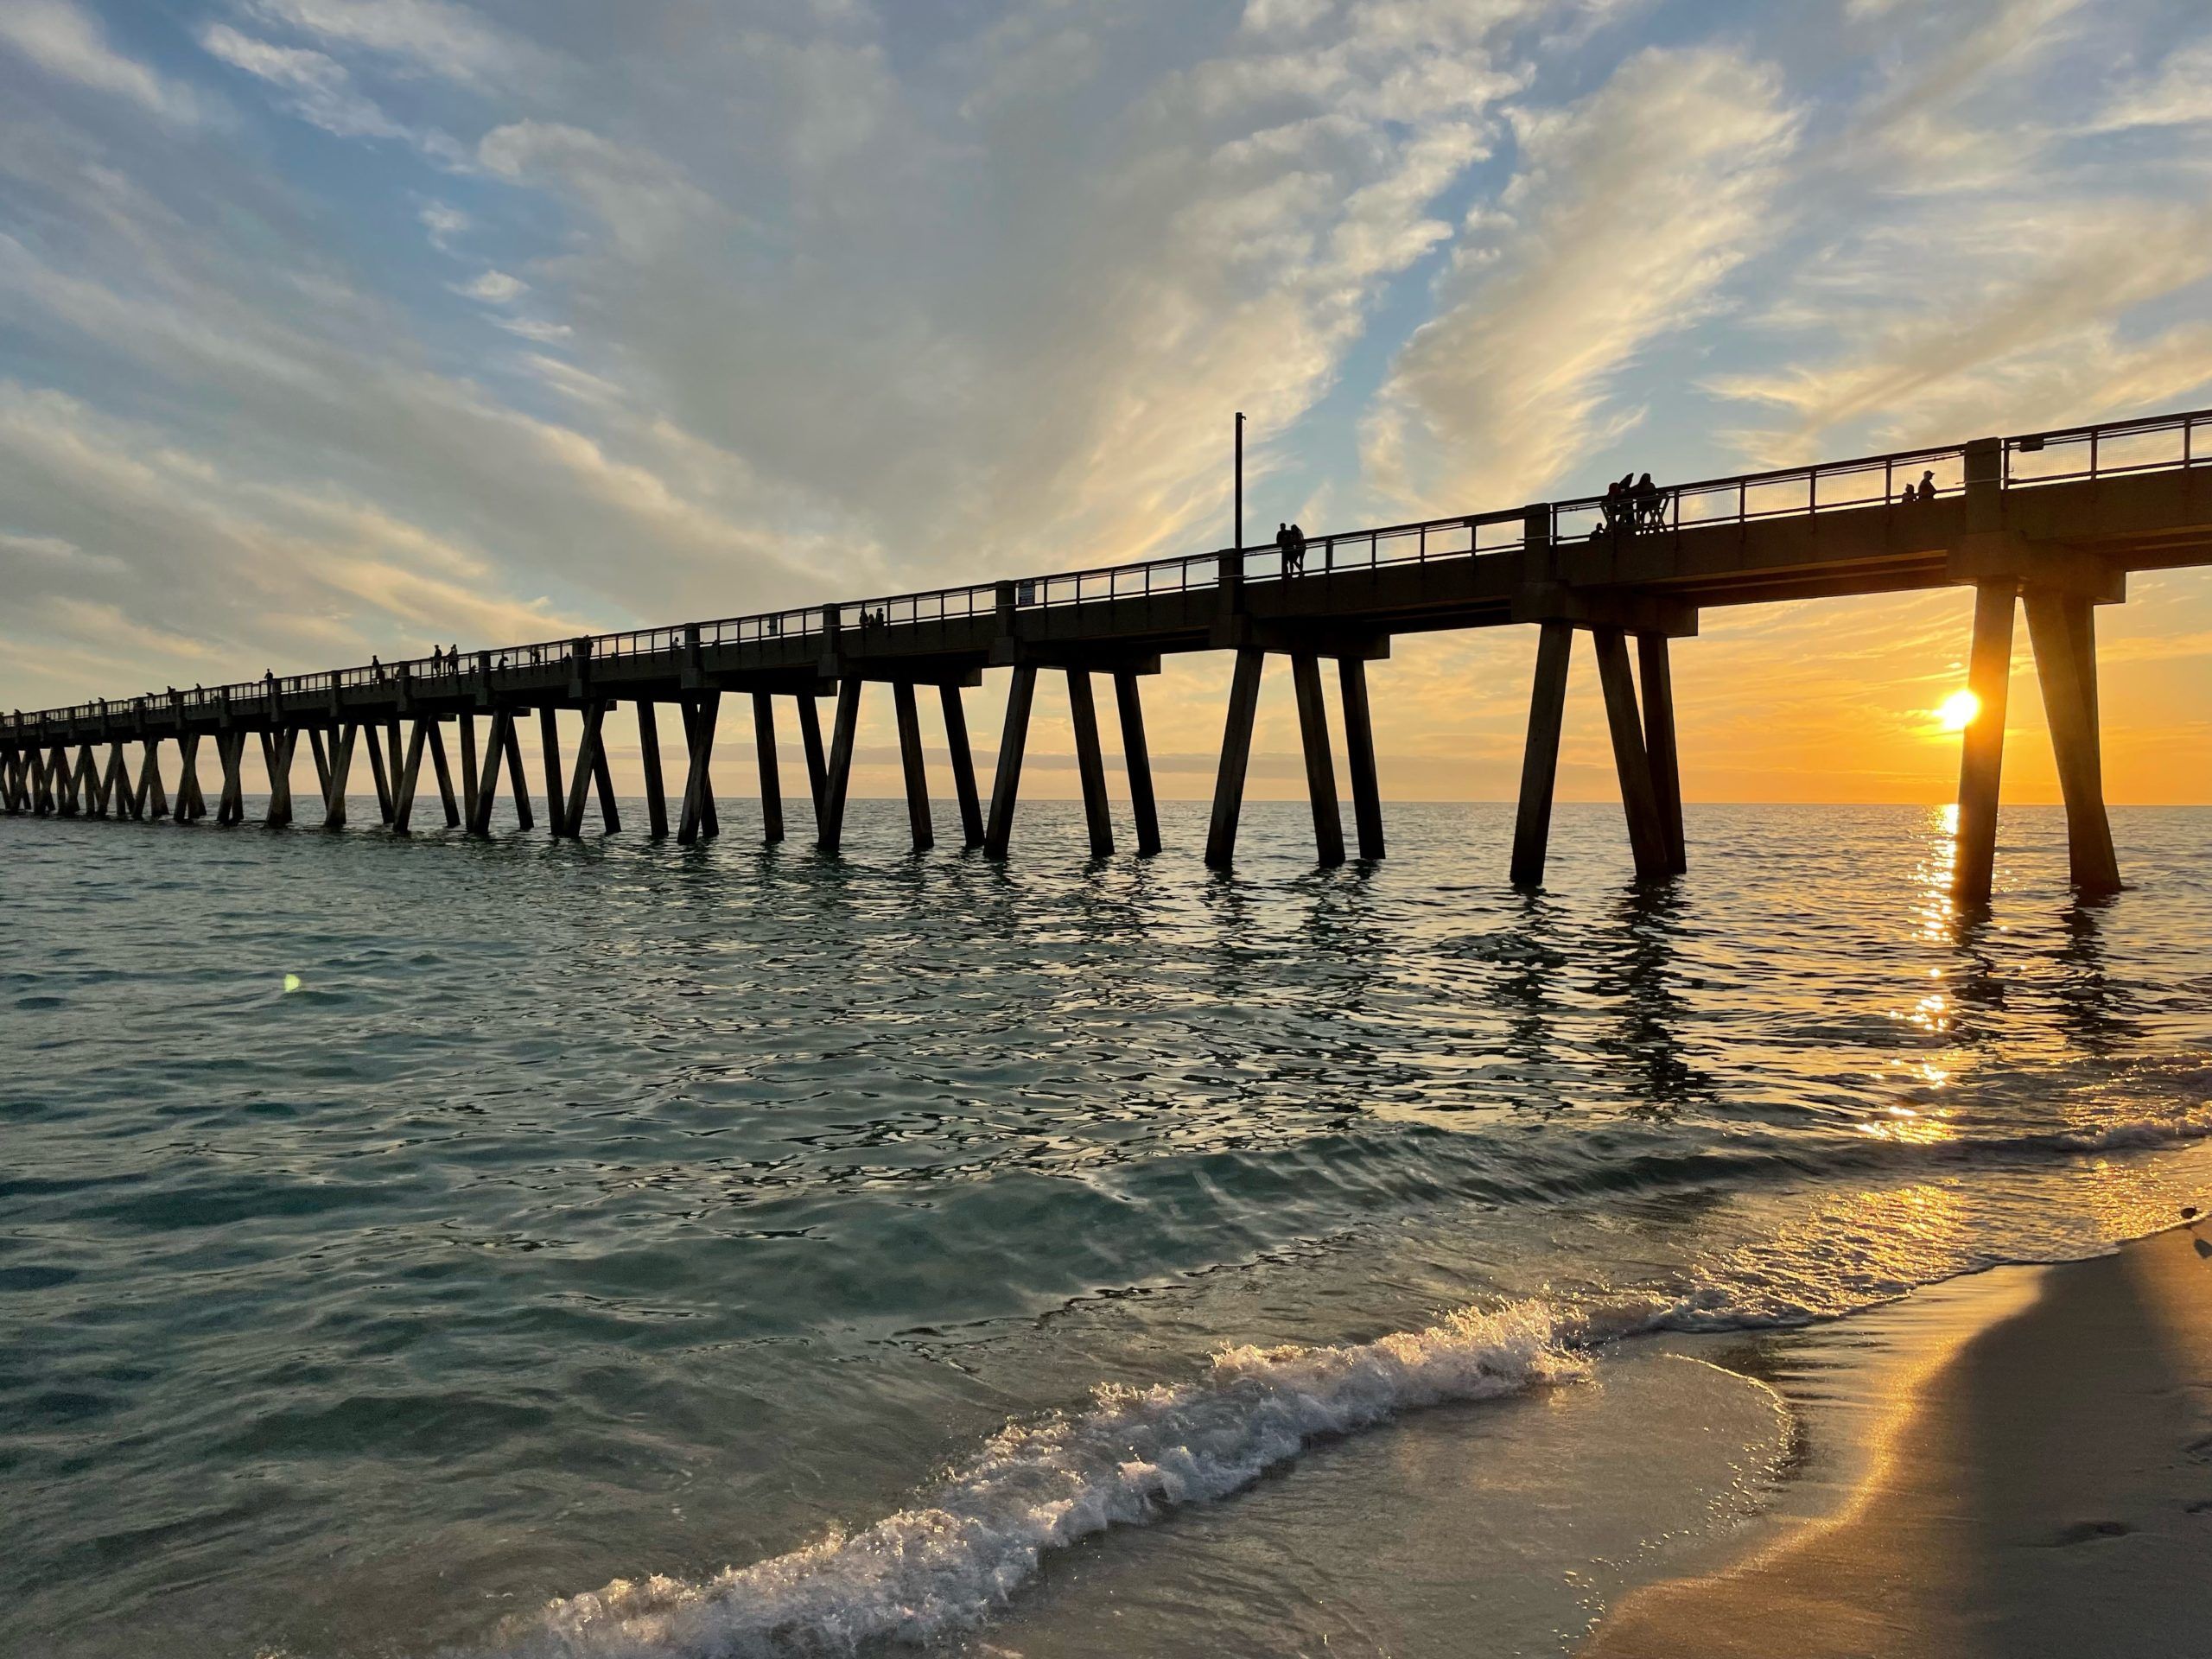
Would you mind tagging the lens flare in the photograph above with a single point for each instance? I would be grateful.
(1958, 710)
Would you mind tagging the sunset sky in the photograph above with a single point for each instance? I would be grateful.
(330, 327)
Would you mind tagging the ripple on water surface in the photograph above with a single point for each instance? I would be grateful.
(400, 1236)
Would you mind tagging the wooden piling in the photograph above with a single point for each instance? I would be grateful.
(1235, 757)
(1981, 752)
(648, 747)
(911, 764)
(1647, 837)
(1090, 763)
(1136, 756)
(1006, 787)
(1359, 756)
(771, 774)
(1656, 671)
(1320, 765)
(963, 764)
(2064, 640)
(830, 831)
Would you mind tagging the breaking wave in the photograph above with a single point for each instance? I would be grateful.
(1131, 1456)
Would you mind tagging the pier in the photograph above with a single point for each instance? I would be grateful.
(2048, 524)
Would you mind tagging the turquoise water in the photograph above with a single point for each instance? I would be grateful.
(397, 1238)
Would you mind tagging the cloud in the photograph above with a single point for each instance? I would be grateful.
(643, 200)
(493, 287)
(2178, 95)
(318, 87)
(425, 36)
(68, 44)
(1627, 212)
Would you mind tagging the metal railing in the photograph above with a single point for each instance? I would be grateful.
(1902, 479)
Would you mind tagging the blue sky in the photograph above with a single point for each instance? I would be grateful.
(334, 327)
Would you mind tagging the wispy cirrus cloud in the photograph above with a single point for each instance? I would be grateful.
(69, 43)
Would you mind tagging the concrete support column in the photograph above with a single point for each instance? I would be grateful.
(410, 770)
(231, 748)
(153, 799)
(602, 779)
(190, 806)
(1007, 787)
(117, 789)
(438, 745)
(1532, 822)
(466, 727)
(517, 779)
(656, 785)
(1090, 763)
(830, 832)
(817, 766)
(771, 775)
(2064, 632)
(588, 760)
(376, 768)
(1359, 756)
(963, 764)
(698, 818)
(1647, 836)
(1136, 755)
(277, 757)
(1658, 674)
(1235, 757)
(556, 794)
(1320, 765)
(1981, 760)
(334, 796)
(485, 795)
(909, 763)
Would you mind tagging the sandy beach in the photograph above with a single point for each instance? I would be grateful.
(2047, 1490)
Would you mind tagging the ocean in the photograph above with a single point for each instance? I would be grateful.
(428, 1246)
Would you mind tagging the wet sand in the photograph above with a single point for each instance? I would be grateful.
(2046, 1491)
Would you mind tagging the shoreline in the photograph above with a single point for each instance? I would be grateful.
(2040, 1484)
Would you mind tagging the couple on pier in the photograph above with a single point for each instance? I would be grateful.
(1290, 542)
(1634, 503)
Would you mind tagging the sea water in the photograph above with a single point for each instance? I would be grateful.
(424, 1246)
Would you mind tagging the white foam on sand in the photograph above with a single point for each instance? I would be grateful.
(1133, 1455)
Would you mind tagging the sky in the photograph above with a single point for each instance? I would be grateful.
(335, 327)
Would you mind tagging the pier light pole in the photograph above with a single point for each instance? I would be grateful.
(1240, 480)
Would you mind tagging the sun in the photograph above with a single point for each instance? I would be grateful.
(1958, 710)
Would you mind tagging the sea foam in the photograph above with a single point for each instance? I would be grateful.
(1131, 1456)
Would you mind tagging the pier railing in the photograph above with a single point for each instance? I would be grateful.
(2068, 454)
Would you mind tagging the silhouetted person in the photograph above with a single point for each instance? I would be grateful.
(1927, 486)
(1294, 559)
(1650, 501)
(453, 654)
(376, 668)
(1282, 544)
(1615, 503)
